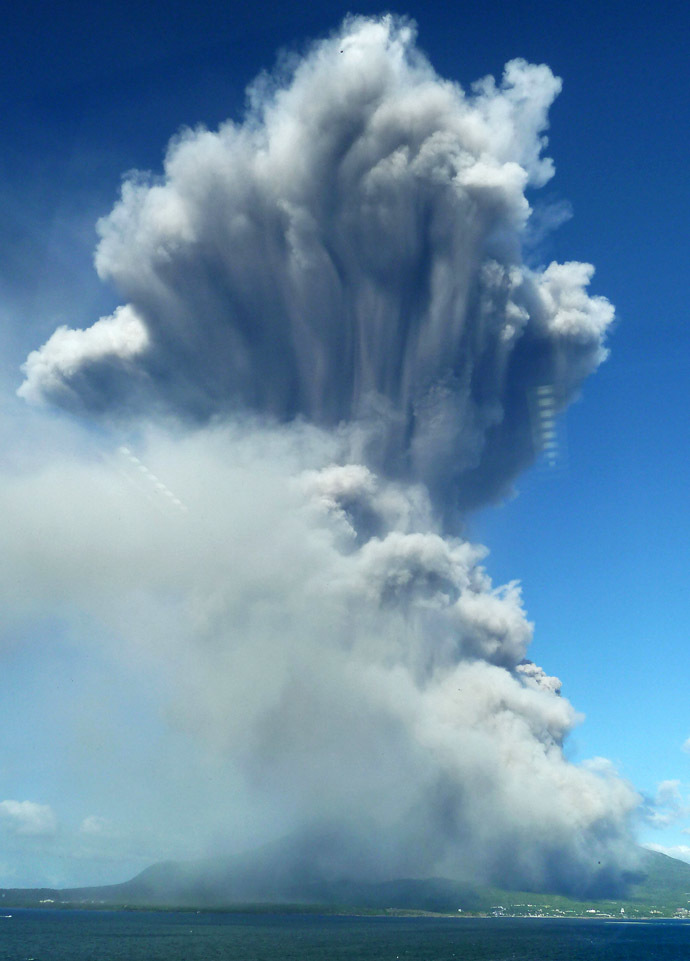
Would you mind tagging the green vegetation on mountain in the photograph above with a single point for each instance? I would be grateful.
(257, 883)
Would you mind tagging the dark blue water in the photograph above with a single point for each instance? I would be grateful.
(176, 936)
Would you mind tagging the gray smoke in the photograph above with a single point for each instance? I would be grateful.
(351, 252)
(331, 298)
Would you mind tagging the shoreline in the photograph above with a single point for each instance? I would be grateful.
(332, 911)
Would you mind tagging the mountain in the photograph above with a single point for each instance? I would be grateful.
(282, 874)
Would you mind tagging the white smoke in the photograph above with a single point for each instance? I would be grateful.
(337, 286)
(321, 638)
(350, 252)
(121, 336)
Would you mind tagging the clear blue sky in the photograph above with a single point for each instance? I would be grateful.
(599, 544)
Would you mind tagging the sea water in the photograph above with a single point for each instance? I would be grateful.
(49, 935)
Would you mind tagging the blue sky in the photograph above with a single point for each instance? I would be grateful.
(598, 544)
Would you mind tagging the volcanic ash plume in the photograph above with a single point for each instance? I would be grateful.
(350, 253)
(330, 301)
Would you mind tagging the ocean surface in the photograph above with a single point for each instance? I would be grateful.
(49, 935)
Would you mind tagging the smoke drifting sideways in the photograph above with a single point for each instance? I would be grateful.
(329, 301)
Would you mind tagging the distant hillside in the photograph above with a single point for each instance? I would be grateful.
(261, 880)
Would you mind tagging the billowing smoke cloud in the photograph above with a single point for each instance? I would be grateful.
(351, 252)
(313, 630)
(331, 297)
